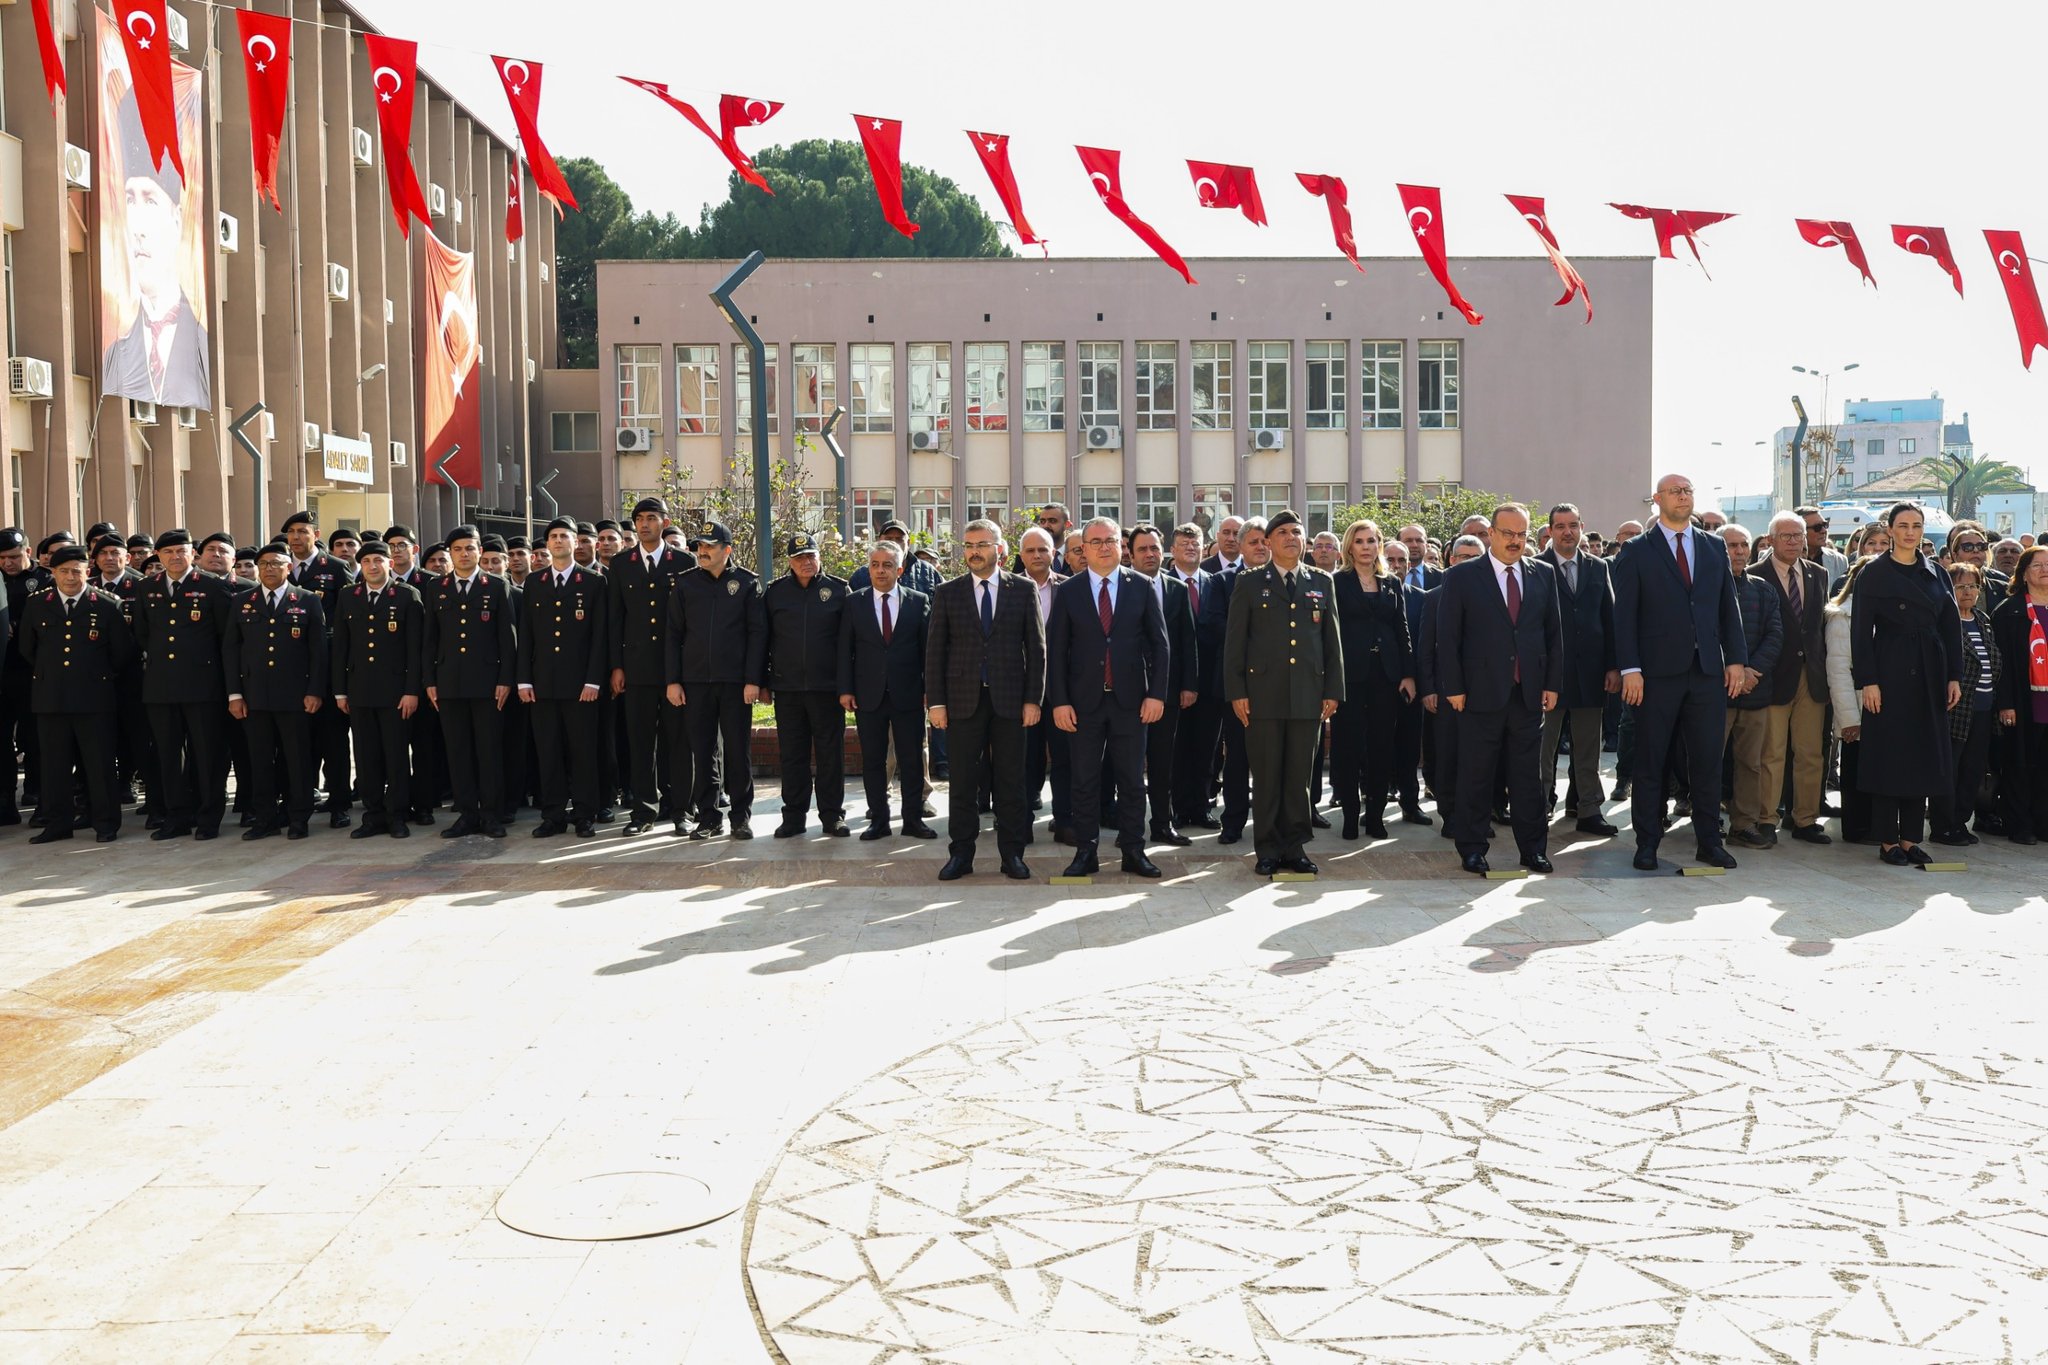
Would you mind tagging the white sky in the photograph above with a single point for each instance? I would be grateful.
(1879, 113)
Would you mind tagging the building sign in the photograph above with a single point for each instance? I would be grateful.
(346, 461)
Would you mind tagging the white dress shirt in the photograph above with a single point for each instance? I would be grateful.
(992, 585)
(1096, 583)
(894, 597)
(1500, 576)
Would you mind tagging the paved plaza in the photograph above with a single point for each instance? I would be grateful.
(263, 1101)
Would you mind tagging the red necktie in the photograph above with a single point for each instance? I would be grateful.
(888, 626)
(1102, 610)
(1684, 569)
(1194, 596)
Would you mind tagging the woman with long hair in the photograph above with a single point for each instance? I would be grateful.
(1847, 709)
(1379, 674)
(1971, 724)
(2019, 625)
(1906, 652)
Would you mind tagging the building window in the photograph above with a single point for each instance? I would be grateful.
(1436, 384)
(640, 386)
(1379, 386)
(874, 387)
(1873, 447)
(1265, 392)
(697, 390)
(988, 386)
(1037, 495)
(817, 384)
(1045, 386)
(1209, 393)
(1268, 498)
(1325, 501)
(7, 285)
(1102, 500)
(1212, 505)
(1381, 492)
(1160, 505)
(1100, 406)
(1326, 385)
(1909, 445)
(931, 512)
(873, 508)
(575, 433)
(992, 502)
(931, 386)
(1156, 363)
(18, 489)
(743, 391)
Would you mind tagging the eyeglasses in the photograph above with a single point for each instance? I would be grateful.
(1816, 526)
(1971, 544)
(1102, 540)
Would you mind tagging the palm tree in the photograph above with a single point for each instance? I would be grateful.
(1966, 479)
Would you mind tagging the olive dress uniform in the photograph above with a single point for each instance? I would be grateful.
(1282, 653)
(564, 643)
(278, 645)
(17, 709)
(327, 577)
(471, 651)
(717, 644)
(641, 583)
(182, 627)
(75, 656)
(375, 660)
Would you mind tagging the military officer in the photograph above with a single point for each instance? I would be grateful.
(472, 654)
(717, 644)
(278, 651)
(429, 783)
(216, 557)
(563, 648)
(518, 560)
(346, 547)
(134, 755)
(24, 577)
(1283, 675)
(374, 666)
(76, 641)
(181, 622)
(803, 608)
(521, 762)
(317, 571)
(641, 581)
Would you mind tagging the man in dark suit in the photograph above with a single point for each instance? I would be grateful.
(564, 642)
(472, 655)
(1678, 642)
(882, 634)
(641, 582)
(1229, 556)
(1418, 576)
(75, 643)
(376, 661)
(804, 608)
(1798, 709)
(1184, 661)
(985, 664)
(1046, 750)
(316, 571)
(277, 658)
(1106, 680)
(1200, 721)
(1443, 756)
(1589, 672)
(1500, 663)
(181, 623)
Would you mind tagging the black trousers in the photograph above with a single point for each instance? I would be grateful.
(330, 744)
(810, 733)
(1194, 744)
(1109, 736)
(522, 759)
(1410, 723)
(192, 746)
(1514, 732)
(1896, 818)
(1048, 754)
(1950, 814)
(1363, 745)
(383, 779)
(19, 730)
(84, 739)
(1444, 781)
(658, 743)
(880, 727)
(1162, 748)
(718, 713)
(611, 731)
(1280, 753)
(474, 733)
(429, 757)
(1856, 814)
(2023, 786)
(985, 739)
(1688, 707)
(1237, 774)
(565, 736)
(281, 739)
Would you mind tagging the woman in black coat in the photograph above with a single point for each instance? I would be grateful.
(1906, 652)
(2023, 699)
(1379, 674)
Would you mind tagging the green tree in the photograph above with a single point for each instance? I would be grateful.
(1968, 479)
(606, 228)
(1440, 514)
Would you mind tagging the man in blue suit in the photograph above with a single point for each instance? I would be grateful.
(1195, 742)
(1590, 675)
(1678, 643)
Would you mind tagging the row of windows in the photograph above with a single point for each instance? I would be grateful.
(985, 386)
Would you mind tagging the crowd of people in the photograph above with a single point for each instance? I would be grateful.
(1145, 680)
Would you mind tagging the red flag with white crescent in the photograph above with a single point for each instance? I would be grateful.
(1825, 233)
(515, 217)
(1425, 207)
(451, 352)
(734, 113)
(1531, 208)
(521, 80)
(1673, 224)
(394, 70)
(1331, 191)
(1105, 173)
(2010, 254)
(1219, 185)
(994, 151)
(267, 69)
(148, 43)
(882, 140)
(1933, 242)
(726, 146)
(52, 50)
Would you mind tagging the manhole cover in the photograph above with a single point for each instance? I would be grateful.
(612, 1207)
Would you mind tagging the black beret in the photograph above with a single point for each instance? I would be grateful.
(714, 534)
(52, 541)
(139, 541)
(344, 534)
(584, 528)
(462, 532)
(107, 543)
(222, 536)
(273, 549)
(609, 525)
(177, 535)
(650, 505)
(561, 524)
(299, 519)
(68, 554)
(373, 549)
(1284, 517)
(492, 544)
(401, 533)
(242, 556)
(102, 528)
(11, 538)
(517, 543)
(802, 543)
(439, 547)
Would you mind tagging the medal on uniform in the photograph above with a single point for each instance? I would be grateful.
(824, 594)
(295, 632)
(579, 611)
(487, 613)
(93, 634)
(195, 613)
(392, 624)
(732, 587)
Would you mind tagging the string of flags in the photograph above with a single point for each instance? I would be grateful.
(266, 52)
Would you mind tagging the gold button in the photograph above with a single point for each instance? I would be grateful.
(1290, 661)
(1294, 642)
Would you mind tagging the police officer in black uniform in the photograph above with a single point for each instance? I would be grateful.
(472, 653)
(319, 572)
(181, 622)
(563, 648)
(76, 641)
(803, 608)
(374, 662)
(17, 712)
(521, 760)
(717, 644)
(134, 755)
(278, 648)
(429, 752)
(641, 581)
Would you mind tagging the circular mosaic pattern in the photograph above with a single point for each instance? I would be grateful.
(1340, 1166)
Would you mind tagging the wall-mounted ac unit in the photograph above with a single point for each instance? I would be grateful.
(458, 208)
(188, 418)
(927, 440)
(398, 454)
(635, 440)
(532, 370)
(390, 312)
(361, 149)
(141, 414)
(1104, 438)
(1269, 438)
(77, 168)
(437, 200)
(546, 271)
(28, 377)
(227, 233)
(337, 282)
(267, 425)
(180, 33)
(309, 436)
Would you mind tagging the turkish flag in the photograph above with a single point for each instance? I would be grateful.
(994, 151)
(1930, 241)
(1222, 186)
(515, 218)
(53, 52)
(729, 148)
(149, 67)
(1827, 232)
(1672, 224)
(1425, 207)
(451, 349)
(267, 67)
(2010, 255)
(882, 139)
(1104, 171)
(734, 113)
(1531, 208)
(521, 80)
(1331, 191)
(394, 68)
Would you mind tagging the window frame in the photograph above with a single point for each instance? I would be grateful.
(555, 416)
(1147, 415)
(936, 414)
(1335, 361)
(931, 512)
(980, 360)
(1324, 500)
(1147, 502)
(862, 364)
(871, 508)
(1264, 499)
(1260, 370)
(742, 389)
(1050, 358)
(1096, 357)
(631, 379)
(821, 359)
(692, 356)
(1218, 414)
(1447, 355)
(1099, 500)
(988, 500)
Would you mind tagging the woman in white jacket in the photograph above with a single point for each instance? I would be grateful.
(1848, 708)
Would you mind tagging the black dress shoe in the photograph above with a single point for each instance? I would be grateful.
(296, 832)
(1204, 822)
(245, 821)
(422, 816)
(874, 831)
(339, 820)
(1715, 857)
(1376, 825)
(1136, 863)
(1815, 833)
(50, 835)
(401, 830)
(1475, 863)
(255, 832)
(635, 827)
(607, 815)
(1917, 856)
(2022, 837)
(171, 832)
(957, 866)
(1167, 834)
(1953, 838)
(1593, 824)
(1230, 836)
(1014, 869)
(1300, 862)
(1266, 867)
(586, 828)
(202, 835)
(920, 830)
(1319, 820)
(742, 829)
(928, 810)
(1084, 864)
(1538, 862)
(789, 830)
(106, 836)
(368, 828)
(942, 772)
(495, 829)
(1895, 856)
(836, 827)
(1646, 860)
(1412, 814)
(708, 829)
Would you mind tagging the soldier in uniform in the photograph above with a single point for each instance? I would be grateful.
(803, 609)
(76, 641)
(345, 546)
(429, 782)
(17, 713)
(717, 641)
(321, 573)
(216, 557)
(133, 753)
(140, 547)
(1283, 675)
(641, 581)
(518, 560)
(563, 648)
(375, 662)
(521, 761)
(181, 622)
(277, 645)
(472, 653)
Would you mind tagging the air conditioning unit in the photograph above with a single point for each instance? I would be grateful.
(458, 208)
(1269, 438)
(141, 414)
(1105, 438)
(635, 440)
(532, 370)
(390, 312)
(361, 149)
(181, 35)
(927, 440)
(227, 233)
(77, 168)
(188, 418)
(437, 200)
(337, 282)
(28, 377)
(398, 454)
(266, 425)
(545, 272)
(309, 435)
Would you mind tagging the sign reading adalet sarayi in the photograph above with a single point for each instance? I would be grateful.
(345, 460)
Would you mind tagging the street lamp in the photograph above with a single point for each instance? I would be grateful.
(1824, 376)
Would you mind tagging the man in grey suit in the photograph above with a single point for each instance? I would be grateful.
(1587, 598)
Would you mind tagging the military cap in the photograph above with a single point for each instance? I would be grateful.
(373, 549)
(102, 528)
(609, 525)
(11, 538)
(561, 524)
(52, 541)
(437, 548)
(655, 505)
(517, 543)
(802, 543)
(107, 543)
(401, 533)
(1284, 517)
(492, 544)
(300, 518)
(714, 534)
(222, 536)
(462, 532)
(68, 554)
(139, 541)
(584, 528)
(275, 548)
(177, 535)
(343, 533)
